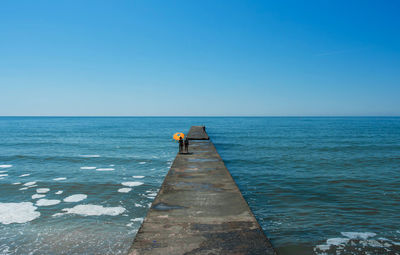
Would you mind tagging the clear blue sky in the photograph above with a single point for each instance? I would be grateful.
(199, 57)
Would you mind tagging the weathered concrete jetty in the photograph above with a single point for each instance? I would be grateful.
(199, 209)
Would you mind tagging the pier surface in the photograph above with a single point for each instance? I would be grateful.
(198, 133)
(199, 209)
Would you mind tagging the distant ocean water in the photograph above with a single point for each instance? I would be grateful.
(83, 185)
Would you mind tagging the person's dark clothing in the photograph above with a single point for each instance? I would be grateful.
(180, 145)
(186, 145)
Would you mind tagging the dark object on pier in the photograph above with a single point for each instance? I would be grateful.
(186, 145)
(180, 145)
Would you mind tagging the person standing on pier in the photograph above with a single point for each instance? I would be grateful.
(186, 145)
(180, 145)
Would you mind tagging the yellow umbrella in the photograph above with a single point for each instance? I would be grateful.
(178, 135)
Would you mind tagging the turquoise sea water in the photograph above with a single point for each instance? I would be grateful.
(316, 185)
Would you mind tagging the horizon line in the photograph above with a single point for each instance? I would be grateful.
(197, 116)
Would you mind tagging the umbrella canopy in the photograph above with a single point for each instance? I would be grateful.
(178, 135)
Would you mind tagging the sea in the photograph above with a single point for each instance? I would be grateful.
(83, 185)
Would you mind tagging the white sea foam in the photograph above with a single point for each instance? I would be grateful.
(29, 183)
(384, 239)
(3, 175)
(138, 176)
(105, 169)
(337, 241)
(152, 194)
(59, 179)
(28, 187)
(47, 202)
(75, 198)
(358, 235)
(42, 190)
(132, 184)
(58, 214)
(88, 167)
(5, 166)
(142, 163)
(59, 192)
(35, 196)
(94, 210)
(323, 247)
(17, 212)
(111, 165)
(3, 172)
(16, 183)
(138, 205)
(124, 190)
(23, 175)
(137, 219)
(372, 243)
(354, 239)
(130, 224)
(90, 156)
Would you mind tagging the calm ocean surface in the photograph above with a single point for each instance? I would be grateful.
(83, 185)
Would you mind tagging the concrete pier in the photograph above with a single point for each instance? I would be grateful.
(198, 133)
(199, 209)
